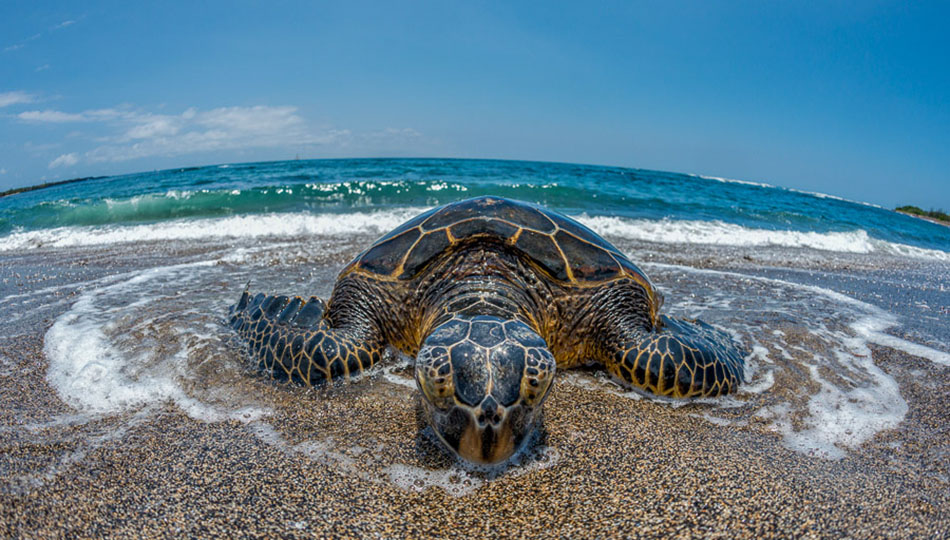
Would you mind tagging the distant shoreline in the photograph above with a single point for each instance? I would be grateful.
(925, 218)
(47, 185)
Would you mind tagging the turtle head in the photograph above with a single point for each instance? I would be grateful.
(483, 380)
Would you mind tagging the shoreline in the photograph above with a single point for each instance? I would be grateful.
(46, 185)
(925, 218)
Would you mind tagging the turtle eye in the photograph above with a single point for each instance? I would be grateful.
(434, 376)
(539, 369)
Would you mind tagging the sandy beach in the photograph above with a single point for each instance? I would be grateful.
(352, 460)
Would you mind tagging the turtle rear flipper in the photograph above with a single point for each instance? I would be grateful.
(681, 358)
(292, 340)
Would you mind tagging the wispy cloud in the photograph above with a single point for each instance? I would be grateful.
(51, 116)
(138, 134)
(38, 35)
(44, 67)
(224, 128)
(125, 133)
(65, 160)
(12, 98)
(93, 115)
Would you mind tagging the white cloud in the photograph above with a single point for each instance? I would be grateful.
(51, 116)
(65, 160)
(135, 133)
(3, 171)
(44, 67)
(63, 24)
(12, 98)
(224, 128)
(13, 47)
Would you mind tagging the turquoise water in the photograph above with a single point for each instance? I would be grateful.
(651, 205)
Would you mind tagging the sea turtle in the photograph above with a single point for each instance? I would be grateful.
(491, 296)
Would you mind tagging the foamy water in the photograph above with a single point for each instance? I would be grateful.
(816, 331)
(295, 225)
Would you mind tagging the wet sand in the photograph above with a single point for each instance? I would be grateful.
(624, 467)
(326, 463)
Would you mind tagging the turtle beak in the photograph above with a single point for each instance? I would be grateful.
(486, 434)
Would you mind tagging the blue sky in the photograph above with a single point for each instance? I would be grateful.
(851, 99)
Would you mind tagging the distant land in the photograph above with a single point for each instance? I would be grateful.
(936, 216)
(46, 185)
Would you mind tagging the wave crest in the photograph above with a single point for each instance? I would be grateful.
(665, 231)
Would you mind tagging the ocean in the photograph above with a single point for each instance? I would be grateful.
(280, 198)
(124, 281)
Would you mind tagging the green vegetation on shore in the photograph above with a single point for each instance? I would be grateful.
(932, 214)
(46, 185)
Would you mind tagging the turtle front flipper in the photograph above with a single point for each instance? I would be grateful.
(290, 338)
(680, 358)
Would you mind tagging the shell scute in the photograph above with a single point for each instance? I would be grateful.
(385, 256)
(580, 231)
(526, 216)
(451, 214)
(429, 246)
(588, 262)
(542, 249)
(630, 268)
(411, 224)
(483, 225)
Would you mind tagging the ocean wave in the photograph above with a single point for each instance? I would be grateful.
(732, 181)
(296, 224)
(248, 226)
(729, 234)
(816, 194)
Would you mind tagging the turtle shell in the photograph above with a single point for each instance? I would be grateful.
(562, 248)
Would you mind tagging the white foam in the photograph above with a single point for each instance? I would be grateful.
(295, 225)
(248, 226)
(732, 181)
(729, 234)
(837, 417)
(92, 374)
(453, 481)
(834, 197)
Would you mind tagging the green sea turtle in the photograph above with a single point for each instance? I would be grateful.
(491, 296)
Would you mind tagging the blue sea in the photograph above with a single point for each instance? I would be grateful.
(282, 197)
(126, 280)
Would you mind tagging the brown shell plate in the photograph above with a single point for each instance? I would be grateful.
(563, 248)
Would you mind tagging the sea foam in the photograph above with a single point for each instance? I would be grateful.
(295, 225)
(93, 374)
(838, 417)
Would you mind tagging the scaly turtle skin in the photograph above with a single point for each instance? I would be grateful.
(491, 296)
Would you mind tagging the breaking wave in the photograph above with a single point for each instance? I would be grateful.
(298, 224)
